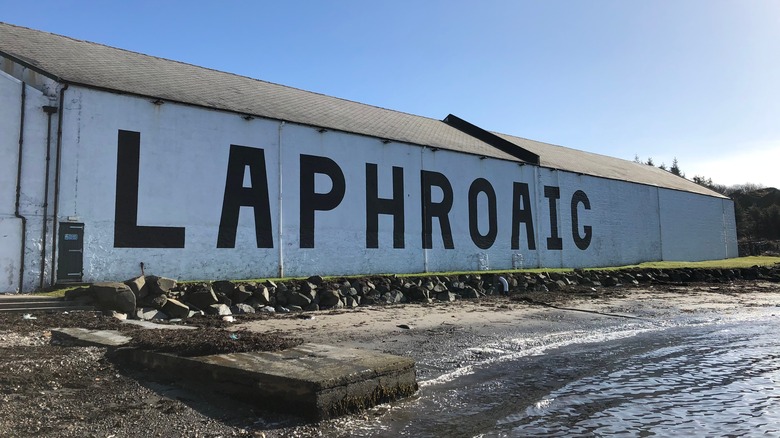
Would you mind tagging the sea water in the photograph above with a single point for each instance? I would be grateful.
(696, 377)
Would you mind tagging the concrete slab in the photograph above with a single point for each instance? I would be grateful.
(89, 338)
(312, 380)
(153, 325)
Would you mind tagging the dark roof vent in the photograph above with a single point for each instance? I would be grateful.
(491, 139)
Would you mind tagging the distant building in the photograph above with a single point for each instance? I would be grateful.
(114, 159)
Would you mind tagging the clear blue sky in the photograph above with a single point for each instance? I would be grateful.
(694, 79)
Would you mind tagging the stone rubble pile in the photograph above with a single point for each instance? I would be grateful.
(153, 298)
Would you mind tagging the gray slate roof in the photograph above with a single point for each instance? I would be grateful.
(94, 65)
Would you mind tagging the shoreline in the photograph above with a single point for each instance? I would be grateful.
(64, 391)
(439, 331)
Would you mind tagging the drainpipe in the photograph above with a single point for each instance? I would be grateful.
(504, 285)
(56, 223)
(19, 188)
(49, 110)
(281, 216)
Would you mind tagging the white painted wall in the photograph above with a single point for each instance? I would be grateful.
(31, 198)
(184, 154)
(696, 228)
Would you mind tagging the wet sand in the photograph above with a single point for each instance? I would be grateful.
(77, 392)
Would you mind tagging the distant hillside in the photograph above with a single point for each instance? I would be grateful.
(758, 214)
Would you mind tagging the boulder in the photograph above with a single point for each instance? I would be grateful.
(298, 299)
(469, 292)
(223, 287)
(419, 294)
(81, 294)
(149, 313)
(201, 296)
(315, 280)
(329, 298)
(155, 301)
(261, 294)
(307, 287)
(159, 285)
(242, 308)
(114, 296)
(223, 299)
(138, 286)
(352, 302)
(445, 296)
(241, 294)
(393, 297)
(176, 309)
(218, 309)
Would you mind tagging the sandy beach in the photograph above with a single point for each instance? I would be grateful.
(445, 339)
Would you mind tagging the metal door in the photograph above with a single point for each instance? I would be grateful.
(70, 261)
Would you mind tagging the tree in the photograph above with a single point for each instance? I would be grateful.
(675, 169)
(650, 162)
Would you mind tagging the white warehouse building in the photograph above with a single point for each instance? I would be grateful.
(114, 162)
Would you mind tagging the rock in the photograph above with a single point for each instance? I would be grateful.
(439, 288)
(114, 296)
(159, 285)
(261, 294)
(201, 296)
(282, 293)
(609, 281)
(469, 292)
(218, 309)
(223, 299)
(419, 294)
(241, 294)
(223, 287)
(266, 309)
(155, 301)
(242, 308)
(293, 308)
(445, 296)
(298, 299)
(329, 298)
(176, 309)
(150, 313)
(393, 297)
(138, 286)
(315, 280)
(352, 302)
(307, 287)
(81, 294)
(313, 307)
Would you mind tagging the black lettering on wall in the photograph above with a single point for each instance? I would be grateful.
(440, 210)
(553, 193)
(127, 232)
(481, 185)
(522, 215)
(582, 242)
(312, 201)
(237, 196)
(376, 206)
